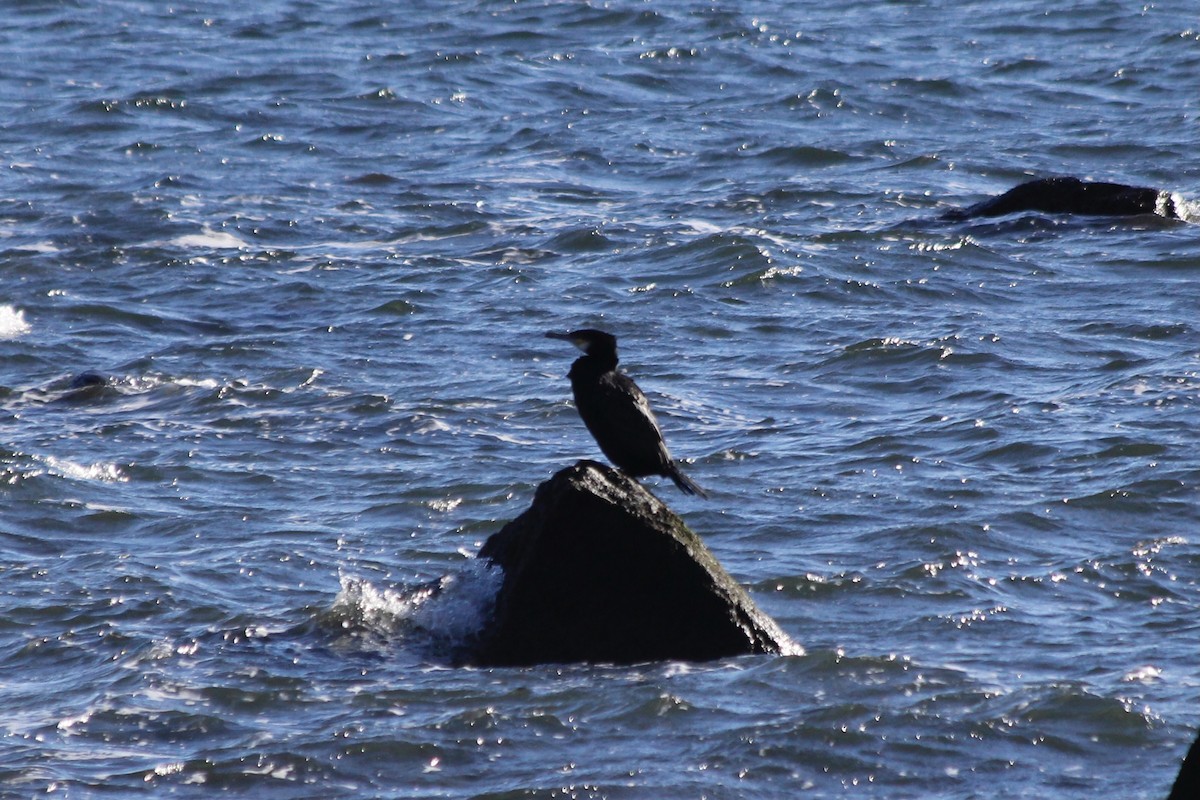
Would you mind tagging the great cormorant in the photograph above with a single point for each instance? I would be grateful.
(617, 413)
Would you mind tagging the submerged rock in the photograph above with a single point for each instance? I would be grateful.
(1187, 782)
(83, 387)
(600, 570)
(1073, 196)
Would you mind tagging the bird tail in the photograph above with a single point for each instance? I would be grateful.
(685, 484)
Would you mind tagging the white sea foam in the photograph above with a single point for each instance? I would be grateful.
(1188, 210)
(464, 604)
(448, 612)
(209, 239)
(1146, 673)
(12, 323)
(40, 247)
(100, 471)
(361, 604)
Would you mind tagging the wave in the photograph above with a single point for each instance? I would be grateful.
(12, 323)
(438, 618)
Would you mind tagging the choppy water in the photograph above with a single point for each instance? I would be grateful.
(315, 247)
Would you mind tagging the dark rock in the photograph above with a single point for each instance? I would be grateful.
(600, 570)
(86, 379)
(1187, 782)
(81, 388)
(1072, 196)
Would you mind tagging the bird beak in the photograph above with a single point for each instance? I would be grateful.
(566, 337)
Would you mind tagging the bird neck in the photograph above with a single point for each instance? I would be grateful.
(594, 364)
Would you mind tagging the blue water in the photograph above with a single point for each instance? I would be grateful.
(315, 247)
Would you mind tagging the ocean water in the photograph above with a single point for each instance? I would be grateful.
(314, 248)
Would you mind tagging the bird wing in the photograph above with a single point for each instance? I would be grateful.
(623, 424)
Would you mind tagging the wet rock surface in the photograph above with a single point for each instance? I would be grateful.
(600, 570)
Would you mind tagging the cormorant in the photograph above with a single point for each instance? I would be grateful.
(617, 413)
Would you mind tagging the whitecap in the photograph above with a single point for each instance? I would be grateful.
(100, 471)
(1143, 674)
(40, 247)
(209, 239)
(1187, 210)
(444, 614)
(67, 723)
(464, 604)
(360, 604)
(12, 323)
(773, 273)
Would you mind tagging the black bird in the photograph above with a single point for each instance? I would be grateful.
(617, 413)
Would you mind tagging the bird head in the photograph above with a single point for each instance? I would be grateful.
(589, 340)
